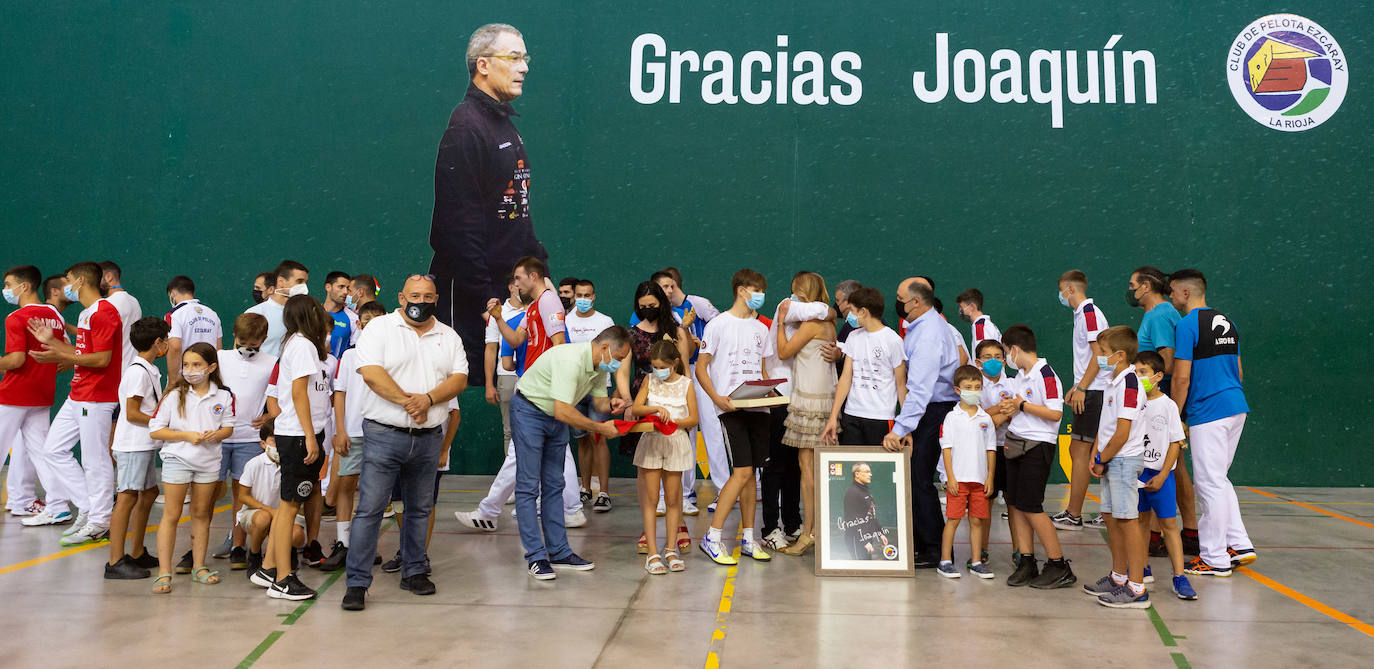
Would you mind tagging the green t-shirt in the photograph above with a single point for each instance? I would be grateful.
(563, 373)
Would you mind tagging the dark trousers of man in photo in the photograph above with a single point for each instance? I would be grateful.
(392, 456)
(926, 518)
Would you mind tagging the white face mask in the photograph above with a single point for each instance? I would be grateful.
(194, 378)
(971, 397)
(272, 454)
(298, 289)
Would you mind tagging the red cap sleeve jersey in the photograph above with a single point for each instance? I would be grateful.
(34, 383)
(99, 329)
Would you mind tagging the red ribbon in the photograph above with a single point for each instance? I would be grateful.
(662, 426)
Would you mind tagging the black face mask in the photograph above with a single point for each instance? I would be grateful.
(966, 317)
(420, 311)
(1131, 299)
(567, 303)
(901, 309)
(647, 313)
(257, 296)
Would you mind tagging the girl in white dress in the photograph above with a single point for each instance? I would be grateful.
(661, 458)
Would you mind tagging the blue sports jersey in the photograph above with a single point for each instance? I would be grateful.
(1158, 327)
(1210, 340)
(519, 353)
(341, 337)
(698, 327)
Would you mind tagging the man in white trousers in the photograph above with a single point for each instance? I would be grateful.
(27, 386)
(86, 415)
(1207, 387)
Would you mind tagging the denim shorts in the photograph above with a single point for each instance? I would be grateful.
(177, 472)
(352, 464)
(1120, 489)
(135, 470)
(586, 408)
(234, 455)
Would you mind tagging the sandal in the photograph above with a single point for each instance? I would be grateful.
(162, 584)
(684, 539)
(799, 547)
(675, 562)
(642, 546)
(204, 576)
(654, 565)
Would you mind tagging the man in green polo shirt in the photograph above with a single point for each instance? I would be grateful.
(542, 408)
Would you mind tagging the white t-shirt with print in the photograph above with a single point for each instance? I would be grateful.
(873, 385)
(249, 380)
(299, 358)
(208, 412)
(737, 347)
(1162, 427)
(144, 382)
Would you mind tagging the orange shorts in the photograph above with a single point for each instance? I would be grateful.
(970, 498)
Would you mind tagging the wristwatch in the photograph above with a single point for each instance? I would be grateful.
(1021, 406)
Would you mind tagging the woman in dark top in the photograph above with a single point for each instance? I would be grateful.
(656, 321)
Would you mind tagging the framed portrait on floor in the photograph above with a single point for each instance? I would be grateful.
(863, 519)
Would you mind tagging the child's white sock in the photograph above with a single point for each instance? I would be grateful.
(713, 535)
(343, 529)
(1119, 579)
(1136, 588)
(748, 534)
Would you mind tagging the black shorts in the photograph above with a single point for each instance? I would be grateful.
(746, 438)
(298, 480)
(1085, 424)
(857, 431)
(1027, 476)
(999, 473)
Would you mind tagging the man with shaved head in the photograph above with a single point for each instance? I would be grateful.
(414, 365)
(932, 357)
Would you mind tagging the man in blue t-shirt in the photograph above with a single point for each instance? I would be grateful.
(345, 332)
(515, 353)
(1207, 387)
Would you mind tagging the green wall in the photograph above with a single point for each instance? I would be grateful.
(215, 140)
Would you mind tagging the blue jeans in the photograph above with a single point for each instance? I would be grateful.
(541, 444)
(390, 457)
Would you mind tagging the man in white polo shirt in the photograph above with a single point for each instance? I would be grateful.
(414, 365)
(191, 321)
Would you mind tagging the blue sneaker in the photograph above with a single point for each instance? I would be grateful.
(947, 570)
(716, 551)
(1149, 578)
(1123, 598)
(541, 570)
(573, 562)
(1183, 588)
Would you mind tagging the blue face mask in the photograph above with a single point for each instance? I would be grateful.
(662, 374)
(1102, 362)
(583, 305)
(609, 367)
(1062, 299)
(755, 301)
(69, 292)
(794, 297)
(852, 320)
(350, 303)
(11, 297)
(992, 367)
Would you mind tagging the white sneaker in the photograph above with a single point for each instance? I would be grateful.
(661, 508)
(161, 499)
(79, 523)
(86, 534)
(689, 508)
(475, 520)
(389, 511)
(776, 540)
(511, 499)
(48, 516)
(575, 519)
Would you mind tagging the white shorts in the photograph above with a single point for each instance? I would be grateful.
(176, 472)
(135, 470)
(245, 518)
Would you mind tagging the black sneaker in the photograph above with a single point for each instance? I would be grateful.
(603, 503)
(418, 584)
(393, 565)
(1056, 574)
(146, 560)
(126, 570)
(1025, 572)
(338, 556)
(290, 588)
(313, 554)
(541, 570)
(238, 558)
(254, 563)
(263, 578)
(585, 496)
(573, 562)
(355, 598)
(184, 565)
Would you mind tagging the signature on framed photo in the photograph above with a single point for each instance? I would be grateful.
(864, 516)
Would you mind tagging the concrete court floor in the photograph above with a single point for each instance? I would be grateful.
(1307, 600)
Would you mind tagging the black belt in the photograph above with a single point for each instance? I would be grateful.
(412, 431)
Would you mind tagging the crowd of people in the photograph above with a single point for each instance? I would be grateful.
(344, 408)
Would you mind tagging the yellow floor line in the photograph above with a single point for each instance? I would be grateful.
(82, 549)
(1310, 507)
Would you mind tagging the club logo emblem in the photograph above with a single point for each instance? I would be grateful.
(1287, 72)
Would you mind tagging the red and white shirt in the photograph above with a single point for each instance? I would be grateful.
(1124, 398)
(34, 383)
(98, 329)
(543, 320)
(1039, 385)
(983, 329)
(1088, 321)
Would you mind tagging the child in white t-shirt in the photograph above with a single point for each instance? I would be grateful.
(246, 369)
(260, 494)
(135, 453)
(195, 416)
(873, 383)
(968, 441)
(1163, 444)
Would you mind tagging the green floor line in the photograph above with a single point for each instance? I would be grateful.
(1161, 628)
(1180, 661)
(262, 648)
(291, 618)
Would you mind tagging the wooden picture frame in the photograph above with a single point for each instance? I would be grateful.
(844, 532)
